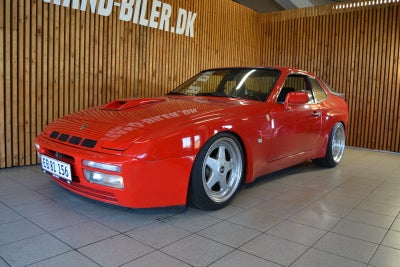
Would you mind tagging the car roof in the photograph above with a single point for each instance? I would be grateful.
(280, 68)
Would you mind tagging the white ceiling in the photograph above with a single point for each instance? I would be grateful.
(276, 5)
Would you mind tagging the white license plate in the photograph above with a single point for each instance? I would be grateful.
(58, 168)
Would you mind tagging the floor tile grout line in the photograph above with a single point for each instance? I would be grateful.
(380, 244)
(328, 231)
(69, 251)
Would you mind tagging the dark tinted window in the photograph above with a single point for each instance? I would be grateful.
(255, 84)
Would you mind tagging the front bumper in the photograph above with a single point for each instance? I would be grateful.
(147, 184)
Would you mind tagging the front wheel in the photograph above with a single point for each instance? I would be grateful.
(217, 172)
(335, 147)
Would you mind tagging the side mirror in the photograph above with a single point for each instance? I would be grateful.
(296, 98)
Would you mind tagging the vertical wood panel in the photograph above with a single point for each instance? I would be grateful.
(356, 51)
(56, 60)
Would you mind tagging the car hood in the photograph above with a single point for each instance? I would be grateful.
(117, 124)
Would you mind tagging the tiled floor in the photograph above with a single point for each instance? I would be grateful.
(302, 216)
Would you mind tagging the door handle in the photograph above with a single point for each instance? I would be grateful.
(316, 114)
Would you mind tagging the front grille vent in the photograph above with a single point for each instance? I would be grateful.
(74, 140)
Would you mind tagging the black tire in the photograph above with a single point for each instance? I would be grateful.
(335, 147)
(217, 172)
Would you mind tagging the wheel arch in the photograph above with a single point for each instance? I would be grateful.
(213, 138)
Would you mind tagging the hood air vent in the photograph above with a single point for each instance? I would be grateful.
(130, 103)
(74, 140)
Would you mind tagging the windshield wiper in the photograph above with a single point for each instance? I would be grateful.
(175, 93)
(211, 94)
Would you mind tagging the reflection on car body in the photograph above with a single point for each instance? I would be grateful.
(200, 142)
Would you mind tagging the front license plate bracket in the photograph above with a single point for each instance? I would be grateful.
(57, 168)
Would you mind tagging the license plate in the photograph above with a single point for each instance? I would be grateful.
(58, 168)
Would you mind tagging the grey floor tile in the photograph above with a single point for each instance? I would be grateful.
(18, 230)
(63, 196)
(310, 217)
(358, 199)
(96, 210)
(360, 230)
(330, 208)
(229, 234)
(159, 234)
(245, 201)
(392, 239)
(377, 207)
(115, 251)
(275, 186)
(255, 191)
(342, 200)
(3, 263)
(370, 218)
(125, 220)
(386, 257)
(396, 225)
(281, 208)
(156, 259)
(39, 207)
(59, 219)
(274, 249)
(318, 258)
(196, 250)
(225, 213)
(365, 182)
(347, 247)
(239, 259)
(84, 234)
(32, 250)
(297, 232)
(23, 197)
(9, 187)
(384, 198)
(256, 220)
(8, 215)
(192, 220)
(68, 259)
(296, 179)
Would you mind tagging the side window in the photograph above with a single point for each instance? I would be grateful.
(295, 83)
(319, 92)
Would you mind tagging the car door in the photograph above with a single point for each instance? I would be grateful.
(296, 128)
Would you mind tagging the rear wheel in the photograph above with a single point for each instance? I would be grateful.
(335, 147)
(217, 172)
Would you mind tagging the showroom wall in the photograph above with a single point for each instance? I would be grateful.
(61, 56)
(354, 48)
(57, 58)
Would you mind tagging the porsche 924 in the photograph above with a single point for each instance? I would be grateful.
(198, 143)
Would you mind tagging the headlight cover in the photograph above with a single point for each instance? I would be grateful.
(105, 179)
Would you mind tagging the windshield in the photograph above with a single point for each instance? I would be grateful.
(254, 84)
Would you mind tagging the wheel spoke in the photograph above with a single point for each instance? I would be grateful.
(222, 183)
(221, 154)
(212, 164)
(213, 179)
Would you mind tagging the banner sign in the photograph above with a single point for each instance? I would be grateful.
(136, 12)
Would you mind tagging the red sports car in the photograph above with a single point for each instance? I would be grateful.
(219, 129)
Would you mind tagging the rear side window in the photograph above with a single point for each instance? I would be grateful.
(319, 92)
(296, 83)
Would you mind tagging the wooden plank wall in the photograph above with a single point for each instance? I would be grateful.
(354, 49)
(56, 60)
